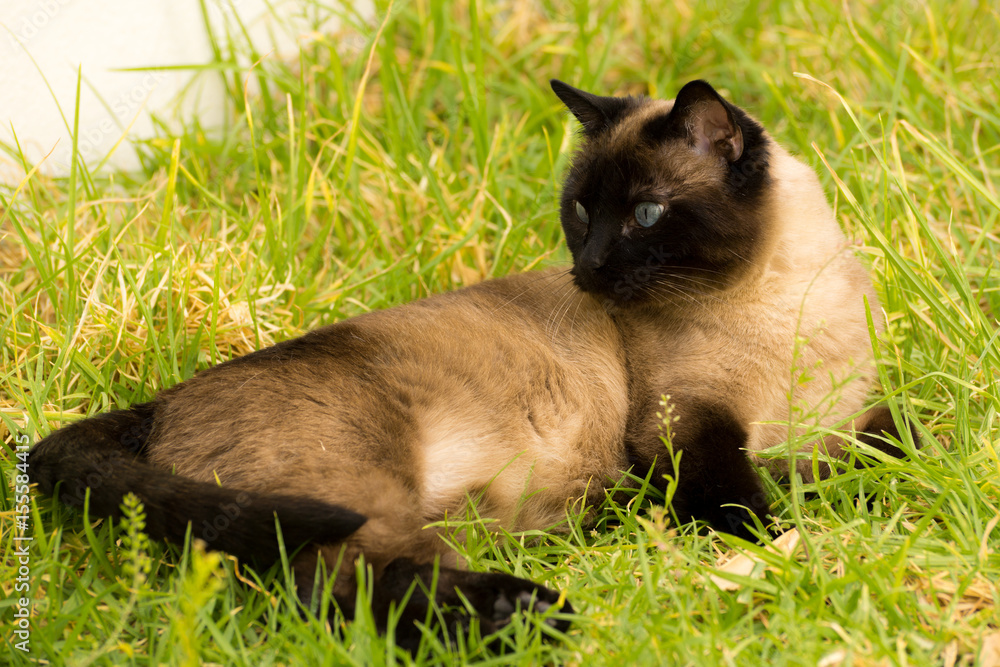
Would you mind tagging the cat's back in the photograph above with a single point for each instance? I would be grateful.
(803, 323)
(512, 379)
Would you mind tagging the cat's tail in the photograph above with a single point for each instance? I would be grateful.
(106, 454)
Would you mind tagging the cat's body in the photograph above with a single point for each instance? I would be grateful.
(405, 414)
(527, 394)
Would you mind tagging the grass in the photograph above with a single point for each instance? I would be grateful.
(422, 151)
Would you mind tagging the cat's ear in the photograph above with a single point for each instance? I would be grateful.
(708, 121)
(594, 112)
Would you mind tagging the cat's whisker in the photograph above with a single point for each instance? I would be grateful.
(563, 302)
(671, 289)
(711, 312)
(739, 256)
(568, 304)
(550, 320)
(530, 285)
(666, 291)
(686, 282)
(700, 271)
(572, 321)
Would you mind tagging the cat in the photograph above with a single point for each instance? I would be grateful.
(707, 268)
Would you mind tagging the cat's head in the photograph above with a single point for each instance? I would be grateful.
(664, 200)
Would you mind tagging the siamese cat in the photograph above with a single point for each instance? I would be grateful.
(707, 268)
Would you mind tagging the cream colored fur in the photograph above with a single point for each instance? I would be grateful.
(514, 393)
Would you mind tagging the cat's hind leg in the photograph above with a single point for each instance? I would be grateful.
(450, 598)
(417, 577)
(875, 428)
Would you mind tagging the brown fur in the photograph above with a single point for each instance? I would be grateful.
(529, 393)
(466, 395)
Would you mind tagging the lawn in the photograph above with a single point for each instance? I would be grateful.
(421, 151)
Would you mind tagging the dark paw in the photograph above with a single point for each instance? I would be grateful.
(880, 431)
(492, 599)
(538, 600)
(497, 598)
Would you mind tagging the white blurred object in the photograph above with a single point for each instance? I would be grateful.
(43, 42)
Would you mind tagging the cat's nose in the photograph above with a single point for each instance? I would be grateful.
(593, 260)
(595, 252)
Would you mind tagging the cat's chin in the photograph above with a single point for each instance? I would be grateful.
(631, 294)
(619, 295)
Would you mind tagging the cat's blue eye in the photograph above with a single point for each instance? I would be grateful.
(581, 213)
(647, 213)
